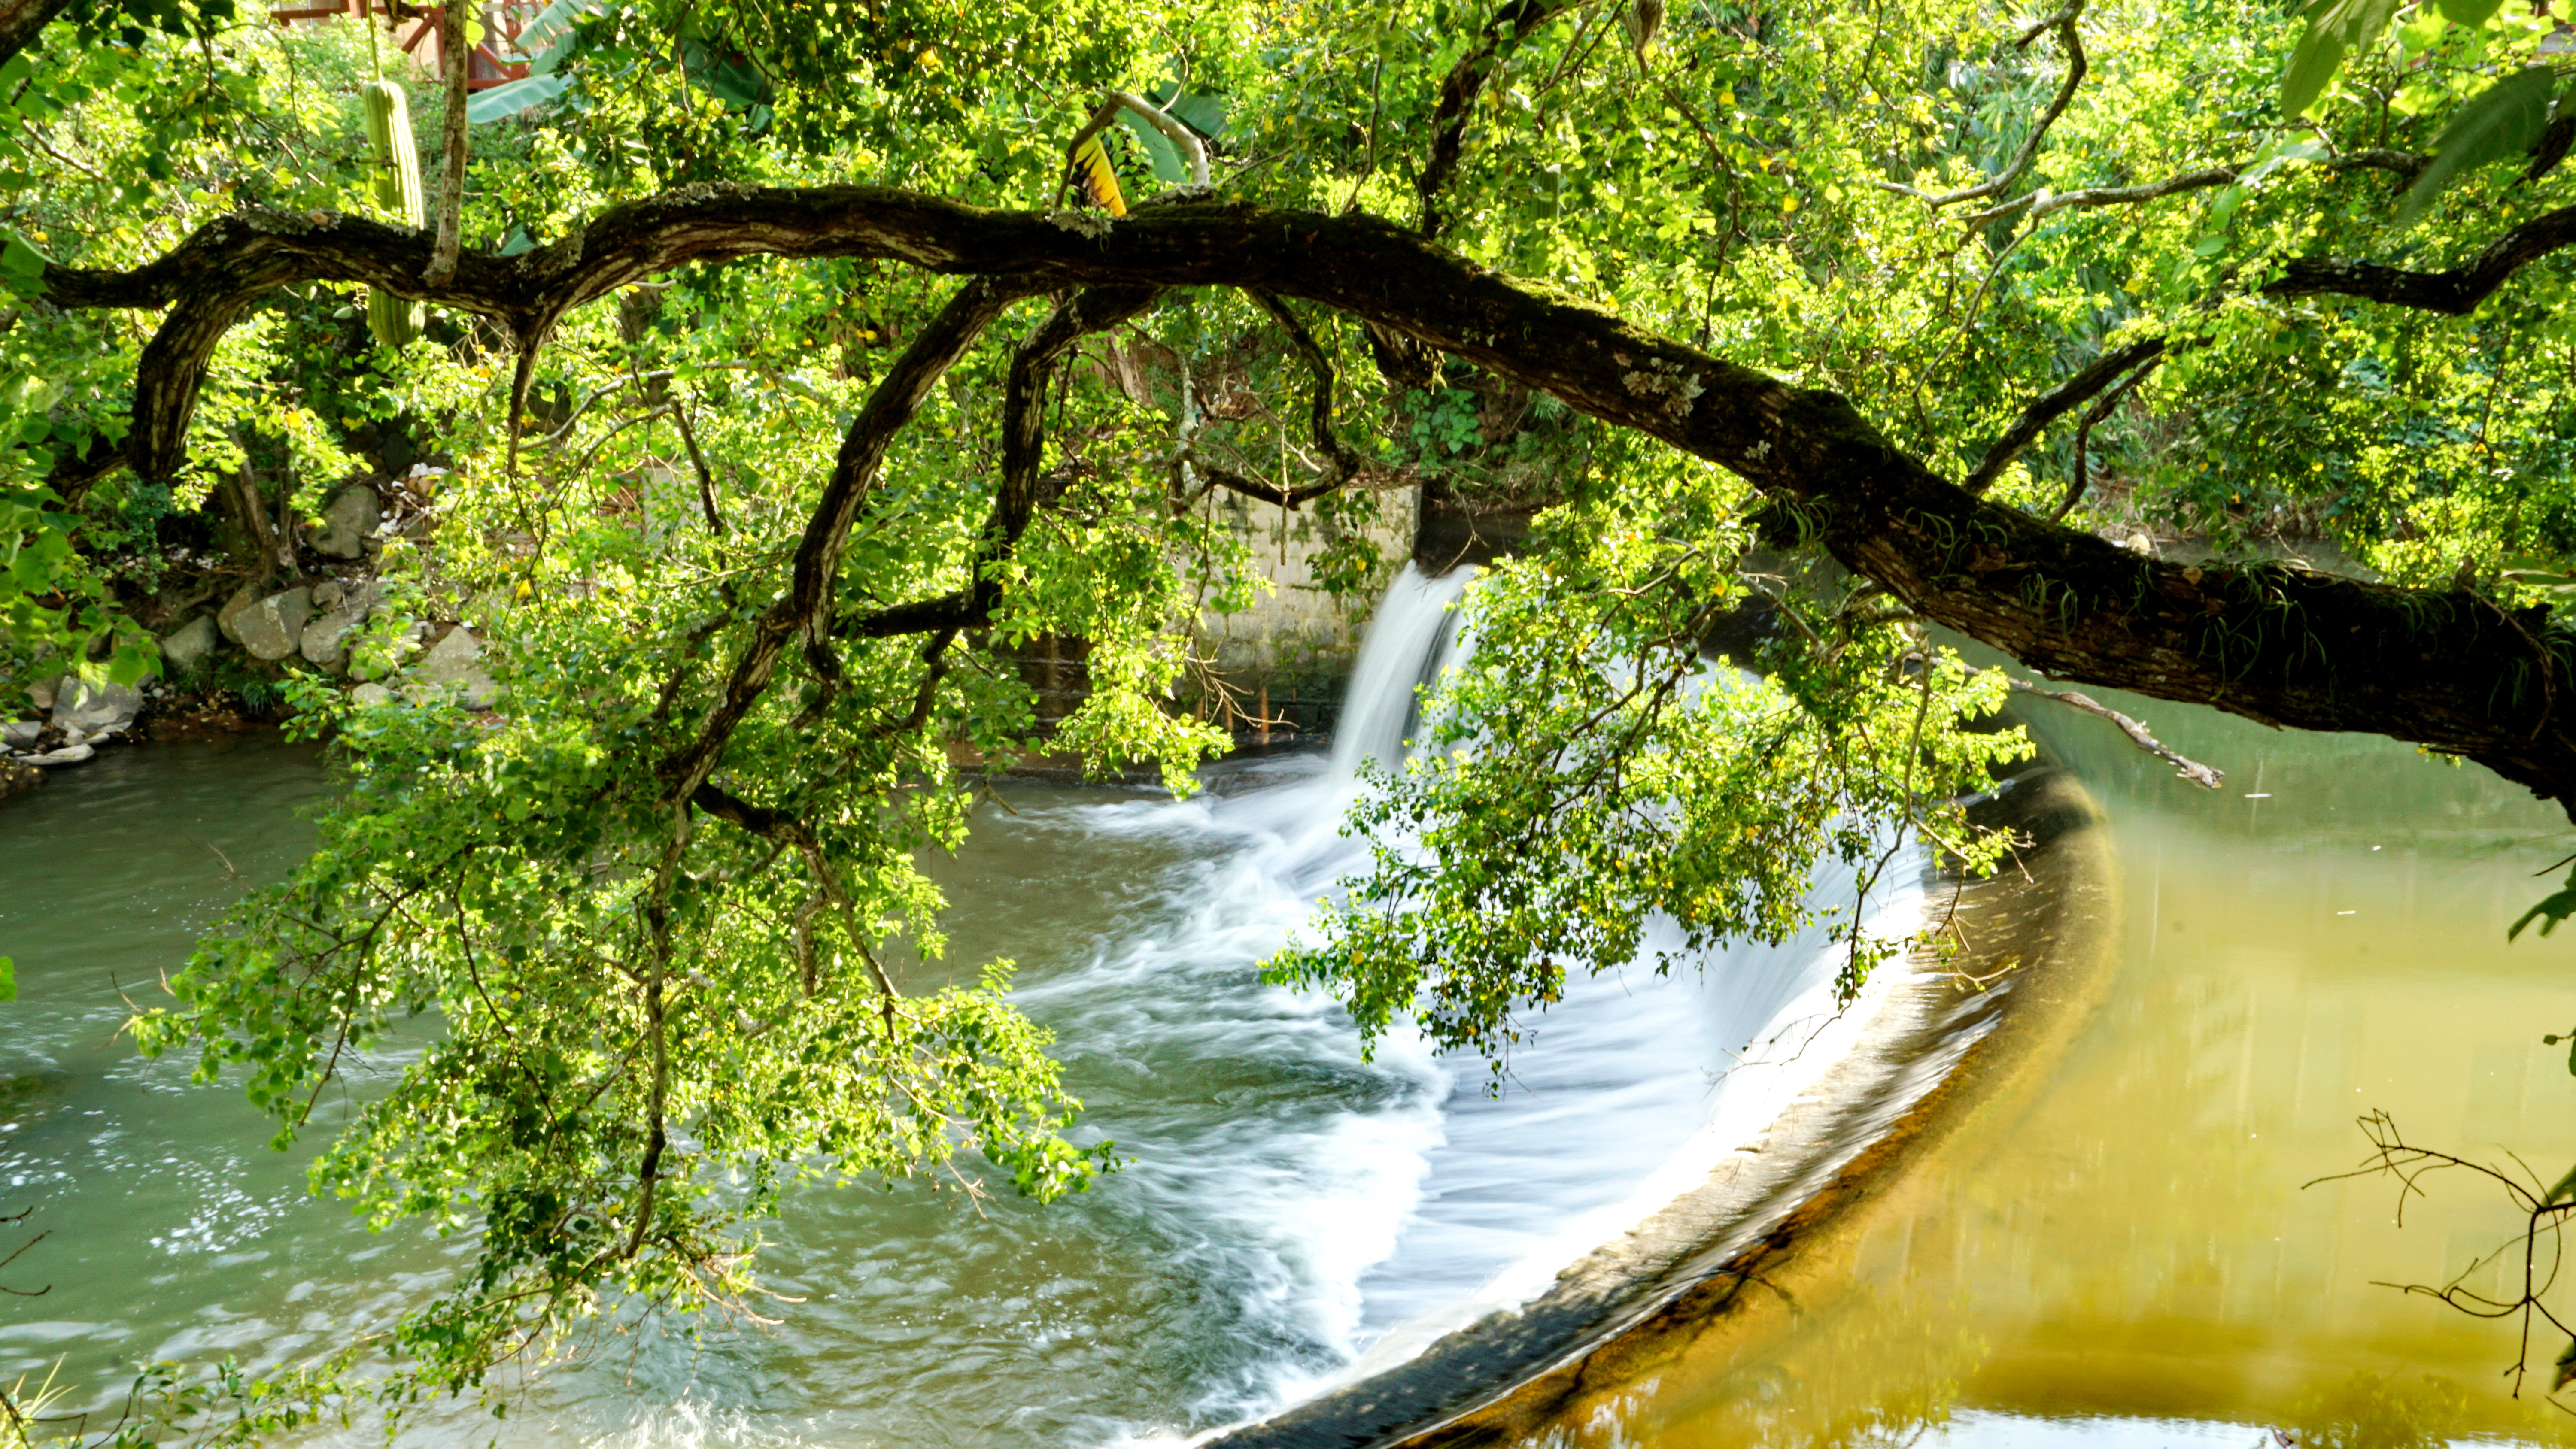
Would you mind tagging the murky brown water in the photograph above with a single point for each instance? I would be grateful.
(2126, 1257)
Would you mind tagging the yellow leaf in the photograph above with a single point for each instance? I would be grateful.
(1099, 182)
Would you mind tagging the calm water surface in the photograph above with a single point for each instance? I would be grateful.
(2127, 1258)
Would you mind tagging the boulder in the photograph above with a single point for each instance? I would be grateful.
(187, 646)
(42, 692)
(348, 521)
(328, 594)
(20, 734)
(68, 755)
(368, 696)
(271, 628)
(453, 666)
(228, 618)
(326, 639)
(90, 710)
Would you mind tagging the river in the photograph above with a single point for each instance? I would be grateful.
(2126, 1258)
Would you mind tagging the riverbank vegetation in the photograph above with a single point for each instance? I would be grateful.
(793, 373)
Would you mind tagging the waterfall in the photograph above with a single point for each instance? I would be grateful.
(1413, 634)
(1364, 1238)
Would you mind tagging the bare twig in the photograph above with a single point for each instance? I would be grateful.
(2199, 774)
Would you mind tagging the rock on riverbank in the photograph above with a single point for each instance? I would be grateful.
(339, 621)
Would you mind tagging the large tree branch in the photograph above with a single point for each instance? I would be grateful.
(896, 399)
(21, 21)
(2272, 643)
(2056, 403)
(1515, 22)
(2456, 292)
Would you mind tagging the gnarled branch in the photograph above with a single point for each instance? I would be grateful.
(818, 555)
(2093, 416)
(2056, 403)
(2455, 292)
(2064, 24)
(2271, 643)
(1515, 22)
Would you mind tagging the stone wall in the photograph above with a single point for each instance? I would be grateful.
(1294, 648)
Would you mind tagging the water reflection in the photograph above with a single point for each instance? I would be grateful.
(2125, 1257)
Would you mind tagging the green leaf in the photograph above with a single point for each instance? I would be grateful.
(2335, 27)
(2564, 1187)
(8, 979)
(22, 267)
(2468, 14)
(2313, 64)
(2497, 124)
(511, 97)
(1201, 111)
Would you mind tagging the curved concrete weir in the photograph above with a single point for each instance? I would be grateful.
(1944, 1040)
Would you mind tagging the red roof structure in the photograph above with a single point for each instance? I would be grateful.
(416, 27)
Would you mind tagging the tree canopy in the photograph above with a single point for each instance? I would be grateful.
(797, 365)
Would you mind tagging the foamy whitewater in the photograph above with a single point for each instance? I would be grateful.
(1371, 1235)
(1291, 1216)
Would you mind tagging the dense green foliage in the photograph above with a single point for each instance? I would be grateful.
(656, 1008)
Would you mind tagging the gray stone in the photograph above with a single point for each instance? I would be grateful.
(453, 667)
(228, 618)
(91, 710)
(368, 696)
(271, 628)
(348, 520)
(328, 594)
(187, 646)
(42, 692)
(326, 639)
(56, 759)
(20, 734)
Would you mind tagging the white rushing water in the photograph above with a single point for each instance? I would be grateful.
(1362, 1241)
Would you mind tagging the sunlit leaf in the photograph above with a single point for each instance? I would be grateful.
(2497, 124)
(1099, 181)
(2335, 28)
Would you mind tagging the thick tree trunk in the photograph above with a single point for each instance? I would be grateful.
(21, 21)
(2449, 670)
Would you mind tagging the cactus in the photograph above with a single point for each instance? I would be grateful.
(396, 185)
